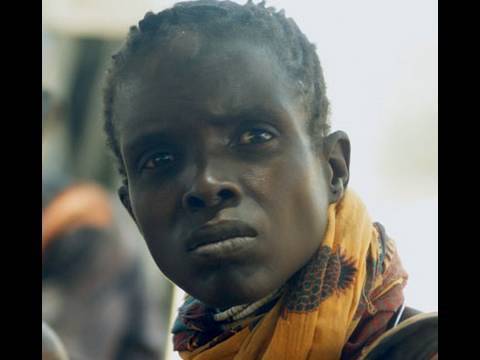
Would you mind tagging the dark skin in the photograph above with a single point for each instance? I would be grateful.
(222, 179)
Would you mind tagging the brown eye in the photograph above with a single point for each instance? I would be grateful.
(255, 136)
(159, 160)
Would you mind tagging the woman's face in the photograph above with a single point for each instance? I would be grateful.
(222, 180)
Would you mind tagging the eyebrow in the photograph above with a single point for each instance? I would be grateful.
(253, 114)
(149, 139)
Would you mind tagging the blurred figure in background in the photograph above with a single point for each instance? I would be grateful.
(94, 290)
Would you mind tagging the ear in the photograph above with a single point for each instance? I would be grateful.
(336, 149)
(125, 199)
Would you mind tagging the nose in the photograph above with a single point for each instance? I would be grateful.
(208, 192)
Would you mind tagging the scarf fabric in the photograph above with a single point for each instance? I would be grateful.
(338, 303)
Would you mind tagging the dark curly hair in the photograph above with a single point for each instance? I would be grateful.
(225, 19)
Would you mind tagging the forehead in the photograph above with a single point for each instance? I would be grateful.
(220, 80)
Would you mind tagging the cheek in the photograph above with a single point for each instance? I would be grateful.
(293, 194)
(155, 212)
(294, 179)
(310, 199)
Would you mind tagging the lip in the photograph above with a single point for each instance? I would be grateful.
(220, 237)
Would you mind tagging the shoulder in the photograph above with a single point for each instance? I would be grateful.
(416, 337)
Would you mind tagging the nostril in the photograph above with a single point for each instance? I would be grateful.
(195, 202)
(226, 194)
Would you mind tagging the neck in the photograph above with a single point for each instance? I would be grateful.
(239, 312)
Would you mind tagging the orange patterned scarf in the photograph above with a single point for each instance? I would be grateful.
(340, 301)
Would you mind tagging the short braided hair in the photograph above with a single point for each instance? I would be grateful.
(226, 19)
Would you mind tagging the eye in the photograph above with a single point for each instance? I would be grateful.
(255, 136)
(158, 160)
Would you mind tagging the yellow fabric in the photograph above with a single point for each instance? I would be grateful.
(322, 332)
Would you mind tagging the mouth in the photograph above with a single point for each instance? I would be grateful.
(221, 238)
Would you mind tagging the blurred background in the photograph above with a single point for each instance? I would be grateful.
(380, 61)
